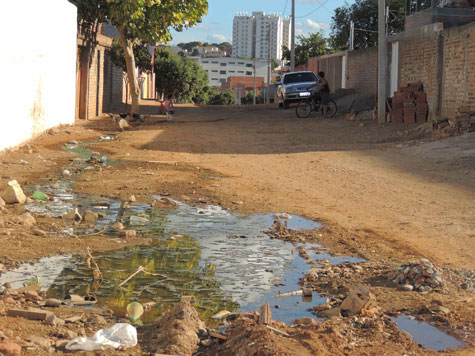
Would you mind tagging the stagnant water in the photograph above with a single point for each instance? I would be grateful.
(224, 260)
(427, 335)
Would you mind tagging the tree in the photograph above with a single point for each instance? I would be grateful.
(189, 45)
(224, 98)
(143, 20)
(364, 14)
(312, 46)
(141, 54)
(174, 72)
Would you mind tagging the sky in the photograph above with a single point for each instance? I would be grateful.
(310, 16)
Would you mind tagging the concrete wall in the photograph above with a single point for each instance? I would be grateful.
(37, 67)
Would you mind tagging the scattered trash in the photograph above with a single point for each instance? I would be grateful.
(39, 196)
(66, 172)
(35, 281)
(265, 316)
(32, 313)
(119, 335)
(138, 221)
(221, 315)
(134, 311)
(106, 138)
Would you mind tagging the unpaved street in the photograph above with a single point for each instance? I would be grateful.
(390, 194)
(390, 187)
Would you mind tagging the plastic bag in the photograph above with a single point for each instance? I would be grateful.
(118, 335)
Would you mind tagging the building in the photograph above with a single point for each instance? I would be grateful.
(258, 35)
(38, 68)
(220, 69)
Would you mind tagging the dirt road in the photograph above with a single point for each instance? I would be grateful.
(383, 192)
(388, 187)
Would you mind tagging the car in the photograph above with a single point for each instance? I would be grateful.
(292, 87)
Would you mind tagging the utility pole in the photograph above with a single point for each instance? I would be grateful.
(292, 39)
(352, 36)
(382, 61)
(268, 66)
(254, 91)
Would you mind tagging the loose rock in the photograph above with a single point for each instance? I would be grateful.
(13, 194)
(10, 349)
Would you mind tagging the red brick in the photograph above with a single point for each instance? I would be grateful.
(410, 117)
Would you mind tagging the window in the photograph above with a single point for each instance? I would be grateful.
(214, 62)
(232, 71)
(232, 62)
(223, 64)
(241, 63)
(222, 80)
(214, 78)
(249, 65)
(214, 71)
(248, 73)
(222, 72)
(240, 71)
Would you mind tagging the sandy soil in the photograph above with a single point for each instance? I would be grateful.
(383, 192)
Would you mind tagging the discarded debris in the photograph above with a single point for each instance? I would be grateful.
(139, 269)
(278, 332)
(33, 314)
(134, 311)
(289, 294)
(422, 276)
(119, 335)
(265, 316)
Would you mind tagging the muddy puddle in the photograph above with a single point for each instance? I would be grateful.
(427, 335)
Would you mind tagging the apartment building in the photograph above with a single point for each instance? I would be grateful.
(260, 35)
(220, 69)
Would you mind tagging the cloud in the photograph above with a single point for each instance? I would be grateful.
(310, 26)
(217, 37)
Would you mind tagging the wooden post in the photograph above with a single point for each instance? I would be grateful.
(382, 62)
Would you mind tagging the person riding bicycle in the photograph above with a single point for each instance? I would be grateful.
(323, 93)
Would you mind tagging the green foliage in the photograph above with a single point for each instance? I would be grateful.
(189, 45)
(224, 98)
(364, 13)
(180, 73)
(312, 46)
(147, 20)
(249, 99)
(141, 54)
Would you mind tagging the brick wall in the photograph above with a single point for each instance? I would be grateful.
(105, 85)
(418, 60)
(459, 69)
(363, 71)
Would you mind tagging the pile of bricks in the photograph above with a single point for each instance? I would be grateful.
(422, 276)
(409, 104)
(464, 122)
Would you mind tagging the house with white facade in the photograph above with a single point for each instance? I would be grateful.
(220, 69)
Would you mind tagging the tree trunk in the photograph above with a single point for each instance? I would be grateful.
(131, 75)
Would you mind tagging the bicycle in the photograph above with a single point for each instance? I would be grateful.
(306, 106)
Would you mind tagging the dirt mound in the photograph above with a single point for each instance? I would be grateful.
(246, 337)
(175, 332)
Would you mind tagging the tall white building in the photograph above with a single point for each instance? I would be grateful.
(257, 35)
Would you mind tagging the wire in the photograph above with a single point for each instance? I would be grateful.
(361, 29)
(311, 12)
(285, 7)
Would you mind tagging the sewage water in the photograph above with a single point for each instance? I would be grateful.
(427, 335)
(224, 260)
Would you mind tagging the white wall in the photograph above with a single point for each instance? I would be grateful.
(37, 68)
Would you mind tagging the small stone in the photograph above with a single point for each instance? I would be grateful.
(69, 334)
(406, 287)
(40, 341)
(53, 303)
(61, 344)
(13, 194)
(2, 202)
(127, 233)
(66, 172)
(32, 296)
(10, 349)
(132, 199)
(90, 217)
(118, 226)
(39, 232)
(55, 185)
